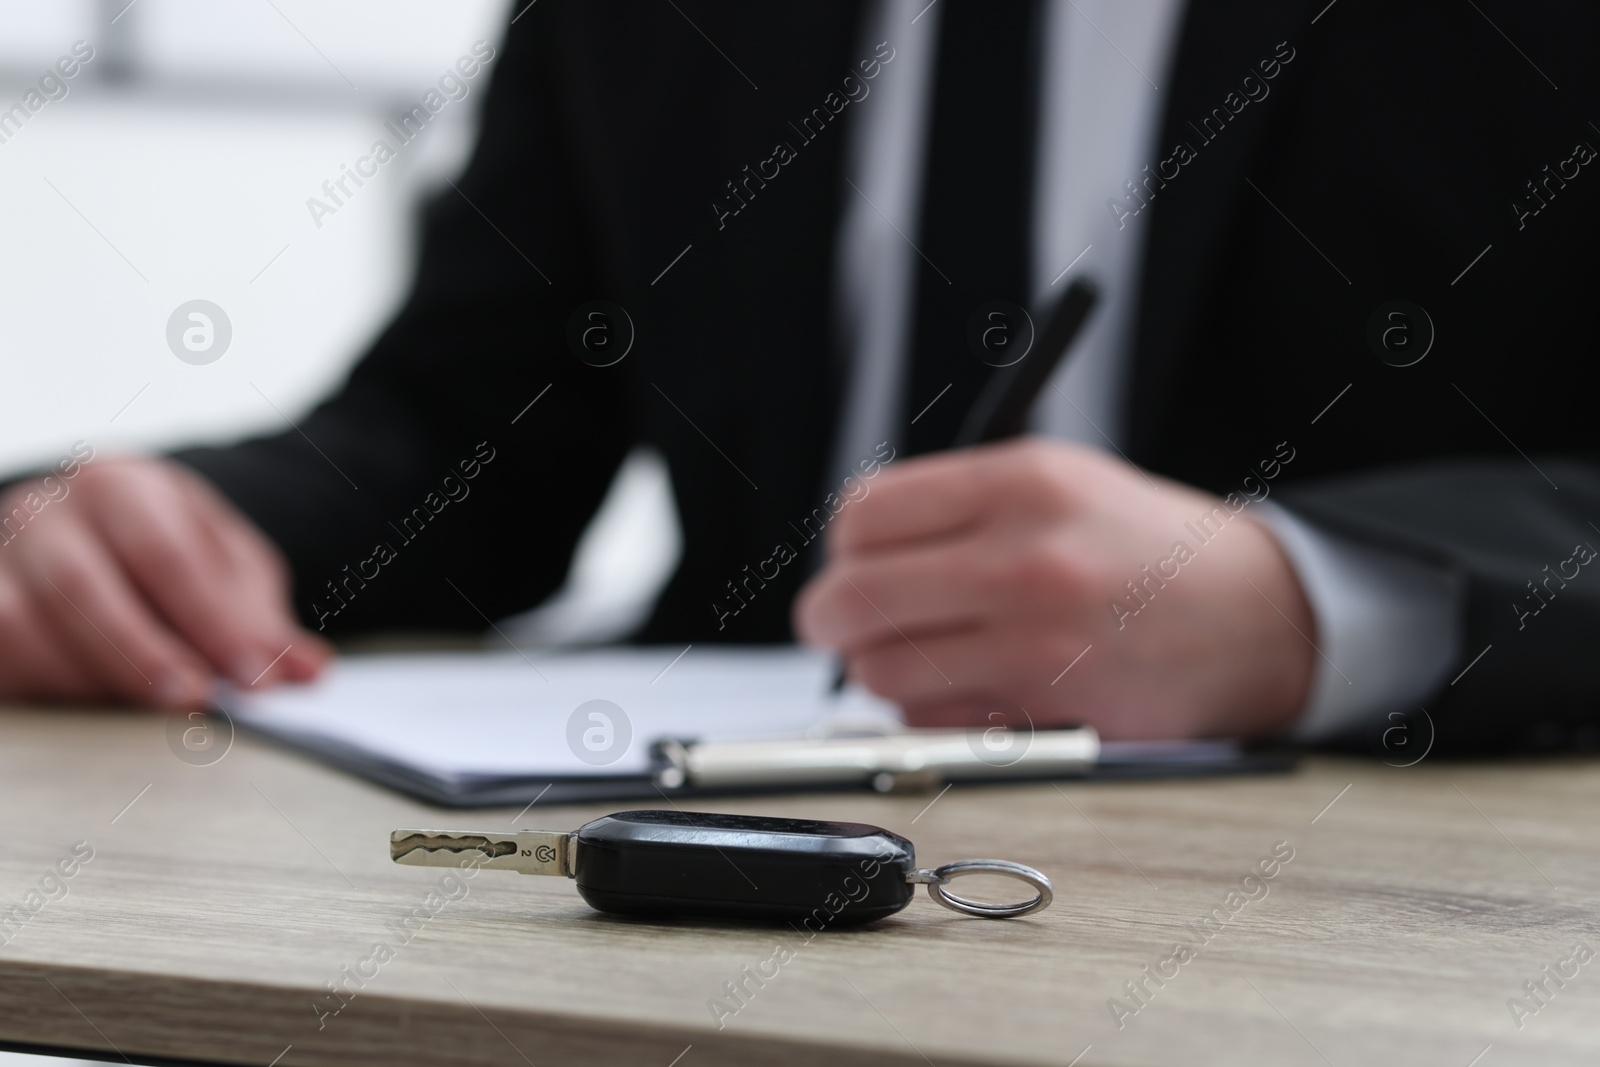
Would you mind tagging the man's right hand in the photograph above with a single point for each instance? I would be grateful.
(141, 584)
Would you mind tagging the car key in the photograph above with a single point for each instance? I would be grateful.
(693, 864)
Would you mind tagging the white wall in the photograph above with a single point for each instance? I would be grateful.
(183, 177)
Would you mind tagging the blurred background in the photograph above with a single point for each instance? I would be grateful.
(176, 165)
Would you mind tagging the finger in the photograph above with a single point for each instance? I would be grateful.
(1013, 574)
(853, 604)
(948, 492)
(301, 659)
(307, 660)
(302, 655)
(980, 714)
(33, 661)
(1010, 663)
(180, 560)
(928, 496)
(107, 626)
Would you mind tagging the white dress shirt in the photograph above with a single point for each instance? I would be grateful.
(1387, 628)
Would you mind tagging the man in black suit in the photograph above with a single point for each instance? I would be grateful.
(1352, 258)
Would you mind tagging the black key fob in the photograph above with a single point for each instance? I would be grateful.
(677, 863)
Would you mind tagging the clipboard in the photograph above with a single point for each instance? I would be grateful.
(464, 730)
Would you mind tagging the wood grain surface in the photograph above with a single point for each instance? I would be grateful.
(220, 899)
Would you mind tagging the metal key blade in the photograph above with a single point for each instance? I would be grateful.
(525, 851)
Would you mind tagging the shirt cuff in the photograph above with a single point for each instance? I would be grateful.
(1388, 627)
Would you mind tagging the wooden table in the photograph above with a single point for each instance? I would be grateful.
(221, 898)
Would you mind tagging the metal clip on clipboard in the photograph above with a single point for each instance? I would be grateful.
(912, 761)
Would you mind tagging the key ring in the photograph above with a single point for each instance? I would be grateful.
(940, 877)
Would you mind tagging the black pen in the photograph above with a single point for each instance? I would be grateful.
(1001, 409)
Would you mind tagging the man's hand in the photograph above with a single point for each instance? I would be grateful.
(972, 577)
(135, 581)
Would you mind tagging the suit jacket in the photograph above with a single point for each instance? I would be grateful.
(1308, 175)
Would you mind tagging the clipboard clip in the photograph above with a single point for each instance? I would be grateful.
(908, 761)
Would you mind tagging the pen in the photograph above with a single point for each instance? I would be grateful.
(1001, 409)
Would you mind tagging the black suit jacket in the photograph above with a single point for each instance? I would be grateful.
(1390, 146)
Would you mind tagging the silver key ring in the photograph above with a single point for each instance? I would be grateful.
(940, 877)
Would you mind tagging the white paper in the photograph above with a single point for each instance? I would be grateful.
(465, 716)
